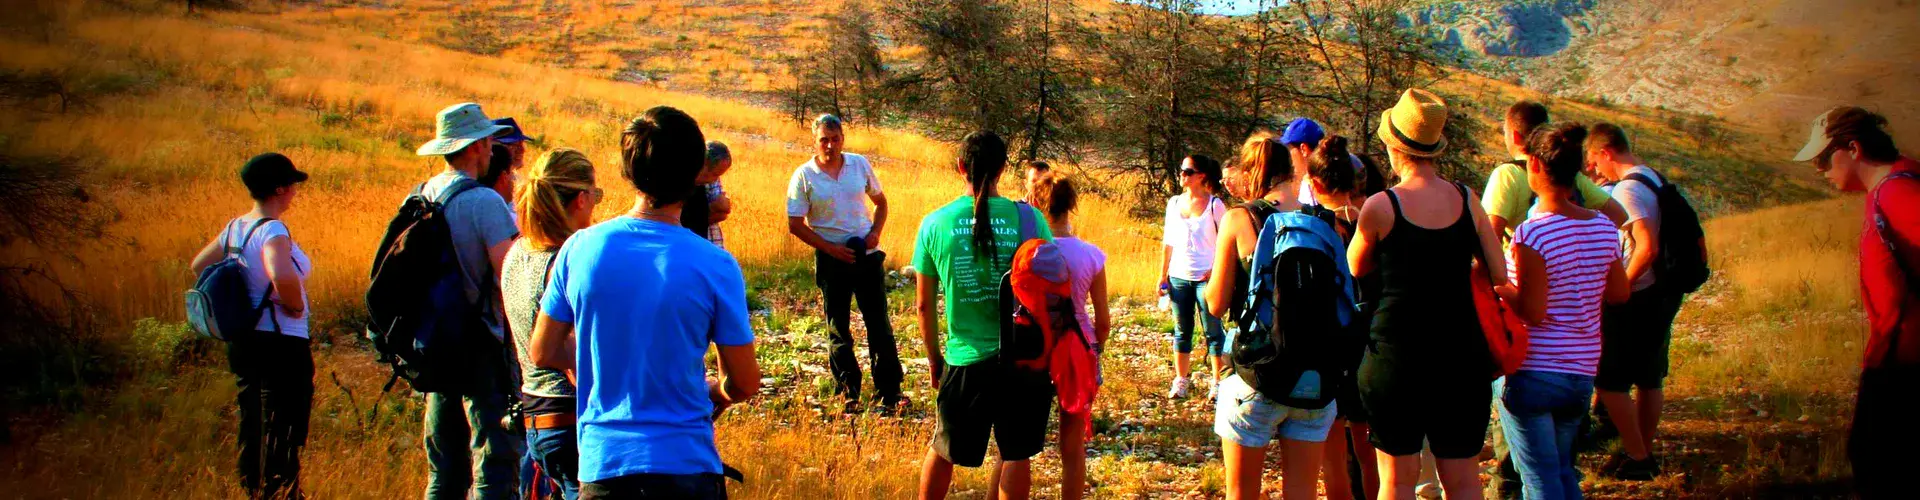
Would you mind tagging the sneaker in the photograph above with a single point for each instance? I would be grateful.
(851, 407)
(894, 405)
(1629, 469)
(1428, 491)
(1180, 387)
(1213, 390)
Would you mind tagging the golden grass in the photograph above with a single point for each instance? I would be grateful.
(349, 108)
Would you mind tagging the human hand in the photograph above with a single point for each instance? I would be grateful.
(936, 363)
(872, 239)
(840, 253)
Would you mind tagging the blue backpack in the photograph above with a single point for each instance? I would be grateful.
(1299, 313)
(219, 305)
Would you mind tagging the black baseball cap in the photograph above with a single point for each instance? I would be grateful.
(269, 171)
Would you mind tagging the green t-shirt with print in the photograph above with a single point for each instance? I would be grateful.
(944, 250)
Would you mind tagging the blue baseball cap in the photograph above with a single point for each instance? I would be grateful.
(513, 136)
(1302, 131)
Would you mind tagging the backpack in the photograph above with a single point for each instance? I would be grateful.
(420, 318)
(1300, 313)
(219, 306)
(1682, 264)
(1885, 230)
(1040, 331)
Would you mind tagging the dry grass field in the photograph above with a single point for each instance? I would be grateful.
(169, 106)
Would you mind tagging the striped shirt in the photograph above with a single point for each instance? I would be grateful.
(1577, 254)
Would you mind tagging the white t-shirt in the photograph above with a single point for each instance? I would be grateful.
(252, 254)
(1643, 205)
(1193, 238)
(836, 208)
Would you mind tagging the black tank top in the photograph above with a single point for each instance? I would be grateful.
(1425, 300)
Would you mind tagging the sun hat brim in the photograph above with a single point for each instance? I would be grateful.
(449, 145)
(1391, 138)
(1817, 141)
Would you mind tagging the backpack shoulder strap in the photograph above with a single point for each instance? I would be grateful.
(1645, 181)
(1029, 228)
(461, 185)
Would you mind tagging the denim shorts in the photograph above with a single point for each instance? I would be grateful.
(1245, 417)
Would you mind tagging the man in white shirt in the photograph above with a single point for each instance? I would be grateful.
(827, 209)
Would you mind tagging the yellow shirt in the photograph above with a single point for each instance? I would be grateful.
(1509, 197)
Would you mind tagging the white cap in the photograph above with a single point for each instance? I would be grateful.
(1817, 140)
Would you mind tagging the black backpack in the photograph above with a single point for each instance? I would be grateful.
(1682, 263)
(1300, 313)
(420, 318)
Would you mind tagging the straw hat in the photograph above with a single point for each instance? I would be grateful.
(1413, 127)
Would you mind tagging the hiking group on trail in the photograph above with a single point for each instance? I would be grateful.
(1373, 318)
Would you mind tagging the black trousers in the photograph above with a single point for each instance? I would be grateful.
(1882, 441)
(657, 486)
(275, 376)
(865, 280)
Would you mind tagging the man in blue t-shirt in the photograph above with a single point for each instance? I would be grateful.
(629, 311)
(463, 427)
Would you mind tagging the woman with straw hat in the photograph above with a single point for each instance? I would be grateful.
(1424, 378)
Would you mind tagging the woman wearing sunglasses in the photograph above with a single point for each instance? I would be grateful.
(555, 200)
(1186, 263)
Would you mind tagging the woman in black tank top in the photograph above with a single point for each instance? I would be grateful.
(1425, 375)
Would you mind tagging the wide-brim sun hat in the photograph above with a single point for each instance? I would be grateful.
(458, 126)
(1415, 126)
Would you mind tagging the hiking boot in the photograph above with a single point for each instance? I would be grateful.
(1180, 387)
(1626, 468)
(852, 407)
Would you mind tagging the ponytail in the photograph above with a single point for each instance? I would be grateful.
(555, 181)
(1332, 165)
(985, 157)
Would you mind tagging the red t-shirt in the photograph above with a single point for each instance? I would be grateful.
(1893, 311)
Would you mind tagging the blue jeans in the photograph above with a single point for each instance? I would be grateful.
(1187, 298)
(558, 453)
(462, 430)
(1541, 412)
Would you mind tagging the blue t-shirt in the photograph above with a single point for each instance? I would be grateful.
(645, 299)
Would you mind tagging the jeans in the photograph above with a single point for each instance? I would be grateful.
(459, 428)
(865, 280)
(1541, 412)
(657, 486)
(1187, 297)
(274, 373)
(557, 451)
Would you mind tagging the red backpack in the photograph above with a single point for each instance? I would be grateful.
(1040, 331)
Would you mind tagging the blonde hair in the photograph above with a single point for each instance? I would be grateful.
(555, 181)
(1054, 195)
(1264, 164)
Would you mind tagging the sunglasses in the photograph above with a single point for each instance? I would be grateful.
(1188, 171)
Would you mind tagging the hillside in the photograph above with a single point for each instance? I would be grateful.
(1769, 64)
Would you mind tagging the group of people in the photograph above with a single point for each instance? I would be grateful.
(602, 385)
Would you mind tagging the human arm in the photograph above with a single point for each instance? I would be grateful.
(1614, 212)
(739, 376)
(1530, 270)
(281, 271)
(926, 307)
(207, 256)
(719, 208)
(1505, 199)
(797, 226)
(1102, 318)
(1619, 286)
(1646, 246)
(552, 346)
(1376, 218)
(879, 219)
(1226, 260)
(1495, 261)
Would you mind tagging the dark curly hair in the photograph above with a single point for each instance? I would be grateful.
(1562, 148)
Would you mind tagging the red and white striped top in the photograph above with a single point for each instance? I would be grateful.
(1577, 254)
